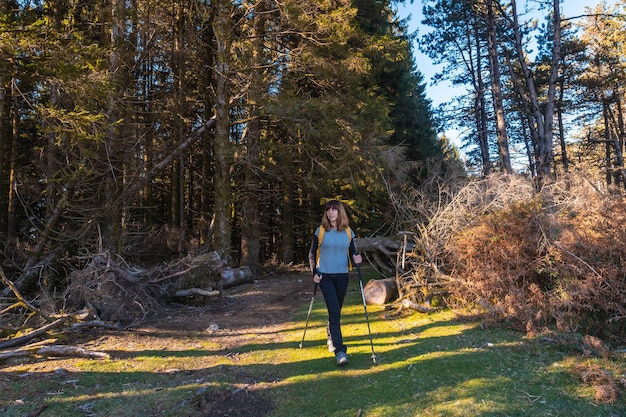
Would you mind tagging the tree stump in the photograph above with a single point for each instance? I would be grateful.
(380, 291)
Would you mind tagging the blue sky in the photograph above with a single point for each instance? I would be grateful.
(442, 92)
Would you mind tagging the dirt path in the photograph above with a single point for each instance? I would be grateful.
(267, 303)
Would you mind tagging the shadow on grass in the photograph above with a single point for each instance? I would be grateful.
(509, 377)
(426, 366)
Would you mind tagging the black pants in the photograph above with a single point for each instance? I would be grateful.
(334, 288)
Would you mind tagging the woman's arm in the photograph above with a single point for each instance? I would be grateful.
(354, 255)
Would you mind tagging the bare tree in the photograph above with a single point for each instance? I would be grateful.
(541, 113)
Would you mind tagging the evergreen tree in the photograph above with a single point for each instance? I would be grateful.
(168, 122)
(459, 42)
(395, 76)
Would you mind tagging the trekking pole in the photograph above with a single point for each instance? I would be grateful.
(309, 314)
(369, 332)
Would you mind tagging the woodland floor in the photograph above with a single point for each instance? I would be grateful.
(263, 307)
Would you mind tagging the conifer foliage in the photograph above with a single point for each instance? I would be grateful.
(149, 130)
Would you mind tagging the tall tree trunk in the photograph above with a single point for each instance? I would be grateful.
(613, 137)
(12, 229)
(222, 213)
(177, 185)
(112, 180)
(480, 104)
(52, 163)
(5, 140)
(496, 88)
(149, 119)
(607, 144)
(546, 152)
(207, 195)
(529, 145)
(250, 221)
(527, 118)
(619, 139)
(543, 122)
(207, 187)
(286, 239)
(564, 158)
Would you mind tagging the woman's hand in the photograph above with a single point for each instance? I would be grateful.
(357, 258)
(317, 278)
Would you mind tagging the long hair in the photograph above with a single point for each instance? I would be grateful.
(342, 219)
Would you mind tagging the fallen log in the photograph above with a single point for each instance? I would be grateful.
(237, 276)
(380, 291)
(26, 350)
(75, 351)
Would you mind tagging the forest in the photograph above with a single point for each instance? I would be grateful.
(138, 136)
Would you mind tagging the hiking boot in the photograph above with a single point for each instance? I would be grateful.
(342, 359)
(329, 343)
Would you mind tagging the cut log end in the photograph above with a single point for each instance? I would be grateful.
(381, 291)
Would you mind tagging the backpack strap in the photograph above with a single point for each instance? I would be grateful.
(320, 237)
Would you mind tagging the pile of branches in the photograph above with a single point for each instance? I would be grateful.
(125, 294)
(553, 258)
(105, 293)
(537, 257)
(117, 292)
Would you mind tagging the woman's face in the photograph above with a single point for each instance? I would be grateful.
(332, 213)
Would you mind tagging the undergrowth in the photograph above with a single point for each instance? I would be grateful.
(550, 258)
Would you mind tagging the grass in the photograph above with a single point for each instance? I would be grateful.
(426, 366)
(436, 366)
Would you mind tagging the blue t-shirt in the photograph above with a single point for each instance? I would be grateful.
(334, 252)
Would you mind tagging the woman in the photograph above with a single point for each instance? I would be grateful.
(329, 257)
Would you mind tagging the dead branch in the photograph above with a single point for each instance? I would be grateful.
(54, 351)
(196, 291)
(124, 274)
(18, 341)
(406, 303)
(94, 323)
(21, 300)
(34, 263)
(175, 153)
(171, 276)
(11, 307)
